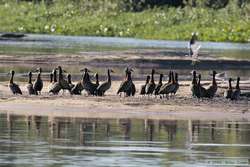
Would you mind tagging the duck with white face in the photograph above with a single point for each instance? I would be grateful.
(15, 89)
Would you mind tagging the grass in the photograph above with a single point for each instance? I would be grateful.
(104, 18)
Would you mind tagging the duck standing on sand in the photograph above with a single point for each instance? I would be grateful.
(228, 93)
(143, 92)
(150, 87)
(78, 88)
(201, 89)
(101, 89)
(158, 86)
(211, 90)
(63, 83)
(176, 84)
(236, 92)
(127, 83)
(69, 81)
(30, 88)
(55, 86)
(38, 84)
(13, 86)
(166, 89)
(194, 87)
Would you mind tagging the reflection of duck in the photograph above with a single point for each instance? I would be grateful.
(30, 88)
(13, 86)
(236, 92)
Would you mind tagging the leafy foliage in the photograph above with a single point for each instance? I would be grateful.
(109, 18)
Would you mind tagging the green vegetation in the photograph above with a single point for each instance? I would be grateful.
(109, 18)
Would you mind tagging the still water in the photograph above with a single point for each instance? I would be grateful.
(43, 141)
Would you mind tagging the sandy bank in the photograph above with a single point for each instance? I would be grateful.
(112, 106)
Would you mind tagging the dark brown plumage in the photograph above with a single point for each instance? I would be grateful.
(228, 93)
(101, 89)
(30, 88)
(143, 92)
(159, 85)
(150, 87)
(211, 90)
(236, 92)
(127, 83)
(38, 84)
(13, 86)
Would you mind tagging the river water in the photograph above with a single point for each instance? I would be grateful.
(43, 141)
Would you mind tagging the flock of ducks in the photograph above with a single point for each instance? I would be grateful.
(200, 92)
(127, 87)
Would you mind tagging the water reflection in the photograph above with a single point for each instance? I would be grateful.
(121, 142)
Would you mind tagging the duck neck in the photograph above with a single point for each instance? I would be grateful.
(199, 81)
(55, 77)
(11, 78)
(152, 77)
(69, 79)
(129, 76)
(169, 77)
(214, 81)
(194, 81)
(51, 78)
(238, 84)
(176, 78)
(109, 77)
(160, 80)
(229, 84)
(172, 77)
(96, 80)
(29, 79)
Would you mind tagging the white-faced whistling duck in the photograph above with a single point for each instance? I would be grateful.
(159, 85)
(131, 90)
(127, 83)
(166, 89)
(55, 87)
(30, 88)
(96, 84)
(211, 90)
(161, 92)
(194, 88)
(63, 83)
(69, 81)
(143, 87)
(176, 84)
(101, 89)
(236, 92)
(150, 87)
(228, 93)
(87, 84)
(38, 84)
(201, 90)
(14, 87)
(78, 88)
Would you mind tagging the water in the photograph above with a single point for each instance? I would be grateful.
(43, 141)
(48, 44)
(34, 45)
